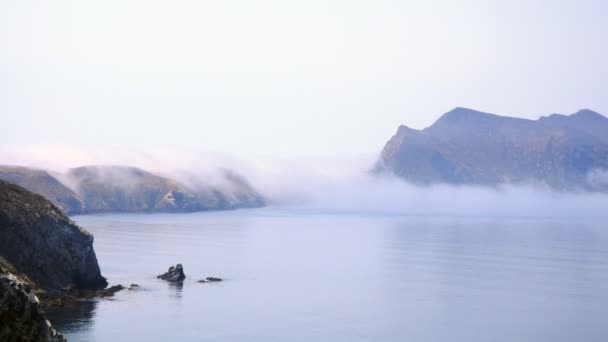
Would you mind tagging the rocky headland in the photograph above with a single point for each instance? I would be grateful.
(467, 147)
(44, 256)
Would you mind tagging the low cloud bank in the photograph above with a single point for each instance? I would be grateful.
(393, 196)
(330, 184)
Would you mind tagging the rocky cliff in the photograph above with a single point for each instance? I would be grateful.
(21, 314)
(42, 243)
(564, 152)
(41, 252)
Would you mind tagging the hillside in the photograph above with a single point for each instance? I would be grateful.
(94, 189)
(467, 147)
(43, 183)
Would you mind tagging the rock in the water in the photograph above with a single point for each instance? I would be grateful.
(72, 296)
(210, 280)
(21, 315)
(110, 291)
(174, 274)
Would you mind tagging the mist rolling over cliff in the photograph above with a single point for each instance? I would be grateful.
(321, 184)
(320, 170)
(119, 188)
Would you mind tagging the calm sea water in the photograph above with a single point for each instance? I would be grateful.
(308, 276)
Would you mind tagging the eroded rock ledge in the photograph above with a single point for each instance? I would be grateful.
(21, 315)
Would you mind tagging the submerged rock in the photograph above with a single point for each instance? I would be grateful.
(210, 280)
(110, 291)
(174, 274)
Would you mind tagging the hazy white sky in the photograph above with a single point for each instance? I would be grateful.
(287, 78)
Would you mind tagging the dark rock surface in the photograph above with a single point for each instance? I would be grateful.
(45, 261)
(43, 183)
(21, 315)
(174, 274)
(71, 296)
(564, 152)
(42, 243)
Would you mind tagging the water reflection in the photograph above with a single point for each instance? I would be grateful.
(73, 318)
(176, 289)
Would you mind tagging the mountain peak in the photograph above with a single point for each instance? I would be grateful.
(465, 146)
(460, 113)
(588, 115)
(464, 116)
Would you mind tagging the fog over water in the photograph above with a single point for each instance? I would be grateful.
(341, 183)
(298, 98)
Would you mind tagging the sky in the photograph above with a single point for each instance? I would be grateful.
(286, 78)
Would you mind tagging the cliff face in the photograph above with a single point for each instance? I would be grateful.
(42, 243)
(469, 147)
(21, 314)
(41, 182)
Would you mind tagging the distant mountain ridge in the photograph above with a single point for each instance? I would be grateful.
(468, 147)
(93, 189)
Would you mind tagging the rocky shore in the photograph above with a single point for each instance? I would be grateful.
(45, 260)
(22, 317)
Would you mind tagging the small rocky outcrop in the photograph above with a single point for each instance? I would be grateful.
(210, 280)
(174, 274)
(42, 243)
(134, 287)
(74, 296)
(21, 315)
